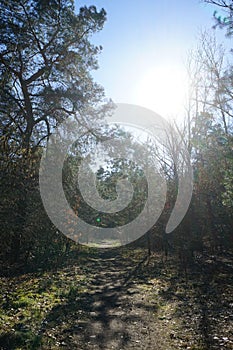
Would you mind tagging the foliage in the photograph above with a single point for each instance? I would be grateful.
(45, 63)
(46, 59)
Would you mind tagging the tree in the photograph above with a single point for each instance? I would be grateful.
(45, 63)
(209, 124)
(226, 7)
(46, 59)
(113, 169)
(224, 20)
(209, 87)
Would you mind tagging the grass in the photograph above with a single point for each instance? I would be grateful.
(29, 298)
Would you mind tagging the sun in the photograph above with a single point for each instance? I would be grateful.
(164, 90)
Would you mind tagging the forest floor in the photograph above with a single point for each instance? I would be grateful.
(115, 299)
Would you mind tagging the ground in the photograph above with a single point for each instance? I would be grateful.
(118, 299)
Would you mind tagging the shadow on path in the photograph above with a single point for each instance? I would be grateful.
(109, 314)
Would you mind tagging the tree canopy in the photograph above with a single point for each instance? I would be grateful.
(45, 62)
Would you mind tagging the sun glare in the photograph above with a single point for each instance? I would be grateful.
(163, 89)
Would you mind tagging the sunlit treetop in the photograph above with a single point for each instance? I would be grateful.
(46, 58)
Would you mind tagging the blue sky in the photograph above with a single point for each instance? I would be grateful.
(145, 46)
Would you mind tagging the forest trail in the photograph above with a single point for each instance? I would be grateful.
(118, 312)
(114, 299)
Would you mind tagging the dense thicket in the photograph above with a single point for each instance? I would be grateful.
(208, 133)
(46, 59)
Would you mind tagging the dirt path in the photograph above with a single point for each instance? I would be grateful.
(113, 300)
(118, 316)
(116, 312)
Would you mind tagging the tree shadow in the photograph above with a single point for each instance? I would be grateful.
(99, 318)
(201, 298)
